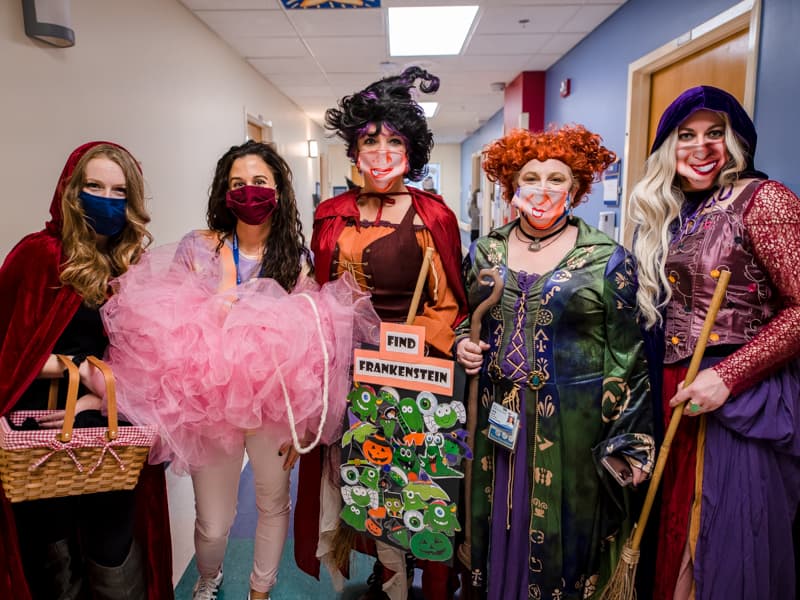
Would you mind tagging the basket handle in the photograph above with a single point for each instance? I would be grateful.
(72, 397)
(111, 396)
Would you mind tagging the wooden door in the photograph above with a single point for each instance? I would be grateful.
(254, 132)
(723, 65)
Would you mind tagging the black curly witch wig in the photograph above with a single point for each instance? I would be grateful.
(388, 102)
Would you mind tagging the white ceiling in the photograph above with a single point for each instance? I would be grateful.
(316, 56)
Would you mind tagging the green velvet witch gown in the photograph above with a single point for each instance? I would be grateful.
(566, 352)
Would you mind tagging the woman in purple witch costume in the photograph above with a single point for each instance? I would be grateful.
(732, 482)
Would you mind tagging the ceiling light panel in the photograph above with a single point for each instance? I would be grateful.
(429, 30)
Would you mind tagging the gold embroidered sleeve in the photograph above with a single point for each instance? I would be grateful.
(773, 222)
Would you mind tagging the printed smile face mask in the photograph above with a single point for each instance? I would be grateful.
(541, 207)
(382, 168)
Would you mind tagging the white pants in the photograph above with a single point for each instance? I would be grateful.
(394, 559)
(215, 491)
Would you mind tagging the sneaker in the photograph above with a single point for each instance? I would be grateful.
(206, 588)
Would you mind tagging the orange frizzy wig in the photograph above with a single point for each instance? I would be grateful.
(574, 145)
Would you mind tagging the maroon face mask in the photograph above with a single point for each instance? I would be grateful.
(251, 203)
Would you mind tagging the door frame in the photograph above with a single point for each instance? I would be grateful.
(741, 16)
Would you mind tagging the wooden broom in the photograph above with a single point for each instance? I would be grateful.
(621, 586)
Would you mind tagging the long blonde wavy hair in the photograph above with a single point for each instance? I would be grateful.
(87, 268)
(655, 203)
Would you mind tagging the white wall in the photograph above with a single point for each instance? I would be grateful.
(150, 76)
(448, 155)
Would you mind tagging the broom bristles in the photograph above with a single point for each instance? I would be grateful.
(343, 542)
(621, 586)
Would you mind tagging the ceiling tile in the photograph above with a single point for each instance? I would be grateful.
(540, 19)
(338, 23)
(589, 17)
(247, 23)
(228, 4)
(350, 48)
(268, 47)
(507, 43)
(561, 43)
(270, 66)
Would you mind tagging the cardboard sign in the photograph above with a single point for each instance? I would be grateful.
(404, 445)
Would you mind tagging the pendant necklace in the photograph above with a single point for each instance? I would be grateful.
(536, 242)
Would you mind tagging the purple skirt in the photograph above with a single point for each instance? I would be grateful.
(751, 489)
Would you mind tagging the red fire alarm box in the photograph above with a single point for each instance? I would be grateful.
(564, 88)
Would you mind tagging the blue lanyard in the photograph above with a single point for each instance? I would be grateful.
(236, 258)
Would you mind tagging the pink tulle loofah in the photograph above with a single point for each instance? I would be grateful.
(205, 366)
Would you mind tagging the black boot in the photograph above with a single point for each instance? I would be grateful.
(125, 582)
(58, 577)
(375, 583)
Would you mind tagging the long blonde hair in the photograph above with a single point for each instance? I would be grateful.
(87, 268)
(655, 203)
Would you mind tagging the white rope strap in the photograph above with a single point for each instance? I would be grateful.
(435, 285)
(289, 411)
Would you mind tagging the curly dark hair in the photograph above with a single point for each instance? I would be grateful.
(388, 102)
(575, 146)
(286, 245)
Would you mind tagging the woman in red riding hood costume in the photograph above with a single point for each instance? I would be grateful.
(52, 284)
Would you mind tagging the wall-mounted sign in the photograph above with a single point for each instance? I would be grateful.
(302, 4)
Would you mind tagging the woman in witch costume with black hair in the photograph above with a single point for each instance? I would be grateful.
(379, 234)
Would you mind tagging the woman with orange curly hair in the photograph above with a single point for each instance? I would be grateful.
(563, 379)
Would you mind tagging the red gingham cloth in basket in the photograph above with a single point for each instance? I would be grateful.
(82, 437)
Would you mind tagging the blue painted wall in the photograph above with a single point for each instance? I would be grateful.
(491, 130)
(598, 69)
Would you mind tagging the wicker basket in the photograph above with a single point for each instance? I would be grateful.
(48, 463)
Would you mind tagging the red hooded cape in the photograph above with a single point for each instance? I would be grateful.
(35, 308)
(329, 221)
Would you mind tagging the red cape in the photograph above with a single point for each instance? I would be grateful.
(330, 219)
(35, 308)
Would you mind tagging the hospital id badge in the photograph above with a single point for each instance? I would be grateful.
(503, 426)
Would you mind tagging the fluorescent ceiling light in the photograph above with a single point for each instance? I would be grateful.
(429, 30)
(429, 108)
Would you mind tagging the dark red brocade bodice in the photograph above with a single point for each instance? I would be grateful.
(759, 318)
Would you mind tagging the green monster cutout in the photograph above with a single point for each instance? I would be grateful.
(410, 417)
(434, 461)
(398, 477)
(388, 395)
(370, 477)
(364, 402)
(427, 403)
(399, 536)
(360, 496)
(354, 516)
(431, 545)
(359, 433)
(417, 494)
(446, 416)
(442, 518)
(393, 504)
(406, 458)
